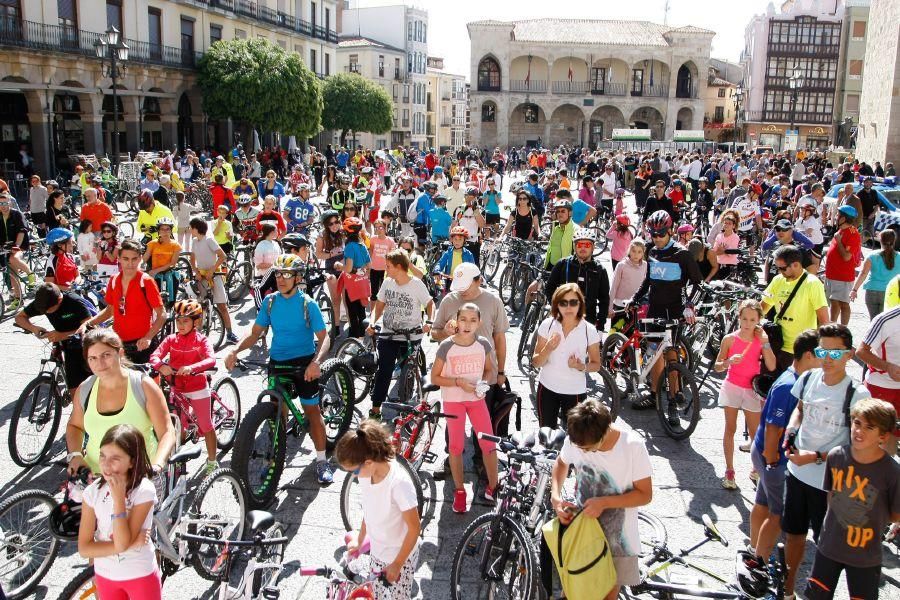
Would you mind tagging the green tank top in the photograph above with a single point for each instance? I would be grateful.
(133, 412)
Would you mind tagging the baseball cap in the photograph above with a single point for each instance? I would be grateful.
(463, 276)
(783, 225)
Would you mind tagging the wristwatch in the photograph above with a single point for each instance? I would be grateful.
(72, 455)
(819, 458)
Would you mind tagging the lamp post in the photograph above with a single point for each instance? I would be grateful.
(738, 98)
(112, 50)
(794, 83)
(48, 109)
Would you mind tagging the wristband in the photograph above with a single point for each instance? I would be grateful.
(72, 455)
(120, 515)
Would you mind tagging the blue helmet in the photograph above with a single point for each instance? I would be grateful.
(439, 169)
(776, 190)
(58, 235)
(846, 210)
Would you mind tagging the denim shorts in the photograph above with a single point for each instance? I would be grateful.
(770, 489)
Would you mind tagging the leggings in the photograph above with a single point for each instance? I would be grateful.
(356, 313)
(552, 406)
(377, 278)
(402, 588)
(874, 303)
(480, 418)
(142, 588)
(862, 582)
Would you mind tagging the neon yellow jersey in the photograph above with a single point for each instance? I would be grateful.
(132, 413)
(892, 294)
(147, 220)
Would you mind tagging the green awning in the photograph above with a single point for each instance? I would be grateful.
(632, 135)
(689, 135)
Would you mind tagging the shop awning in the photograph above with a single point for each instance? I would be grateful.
(635, 135)
(689, 135)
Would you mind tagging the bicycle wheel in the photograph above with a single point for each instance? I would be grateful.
(351, 503)
(259, 448)
(238, 282)
(346, 351)
(126, 229)
(494, 559)
(678, 412)
(270, 553)
(699, 338)
(336, 399)
(507, 284)
(528, 339)
(616, 356)
(491, 262)
(2, 302)
(652, 534)
(416, 449)
(26, 545)
(327, 309)
(218, 512)
(609, 394)
(523, 280)
(409, 385)
(226, 409)
(82, 587)
(35, 421)
(213, 327)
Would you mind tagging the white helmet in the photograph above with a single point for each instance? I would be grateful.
(583, 233)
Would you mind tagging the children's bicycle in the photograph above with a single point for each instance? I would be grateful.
(225, 400)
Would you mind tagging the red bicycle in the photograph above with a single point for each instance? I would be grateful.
(226, 411)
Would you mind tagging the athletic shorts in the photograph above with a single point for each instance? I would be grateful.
(862, 582)
(804, 507)
(306, 391)
(491, 219)
(734, 396)
(838, 290)
(218, 290)
(770, 489)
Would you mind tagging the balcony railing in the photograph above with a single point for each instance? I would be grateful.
(607, 88)
(264, 14)
(352, 68)
(793, 49)
(686, 91)
(818, 84)
(53, 38)
(571, 87)
(784, 116)
(651, 91)
(538, 86)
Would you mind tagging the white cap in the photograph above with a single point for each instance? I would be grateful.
(463, 276)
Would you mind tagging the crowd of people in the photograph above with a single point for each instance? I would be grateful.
(398, 240)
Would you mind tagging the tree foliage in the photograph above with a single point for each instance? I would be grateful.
(355, 103)
(260, 83)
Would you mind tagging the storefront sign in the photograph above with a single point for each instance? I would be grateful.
(770, 129)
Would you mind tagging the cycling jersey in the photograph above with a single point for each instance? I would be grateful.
(748, 210)
(247, 221)
(340, 197)
(669, 271)
(298, 210)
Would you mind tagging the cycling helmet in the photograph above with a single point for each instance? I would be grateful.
(753, 578)
(188, 308)
(168, 221)
(703, 180)
(583, 233)
(352, 225)
(776, 190)
(472, 191)
(245, 199)
(110, 225)
(65, 520)
(439, 169)
(328, 214)
(288, 262)
(59, 235)
(846, 210)
(458, 230)
(364, 363)
(756, 189)
(623, 219)
(620, 192)
(685, 228)
(677, 182)
(367, 169)
(439, 199)
(430, 185)
(563, 204)
(294, 241)
(303, 187)
(659, 220)
(342, 179)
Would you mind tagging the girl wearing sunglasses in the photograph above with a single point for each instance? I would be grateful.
(728, 239)
(523, 221)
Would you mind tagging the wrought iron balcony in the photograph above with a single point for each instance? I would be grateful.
(650, 91)
(784, 116)
(54, 38)
(538, 86)
(607, 88)
(796, 49)
(579, 88)
(264, 14)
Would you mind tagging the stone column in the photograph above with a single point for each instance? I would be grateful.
(169, 130)
(40, 145)
(93, 134)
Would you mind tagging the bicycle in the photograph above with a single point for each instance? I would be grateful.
(657, 561)
(266, 557)
(11, 281)
(261, 437)
(344, 583)
(677, 397)
(225, 400)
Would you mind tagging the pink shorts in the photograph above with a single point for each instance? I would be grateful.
(148, 587)
(456, 428)
(735, 396)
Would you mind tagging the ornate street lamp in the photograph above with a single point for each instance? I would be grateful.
(738, 98)
(795, 81)
(112, 52)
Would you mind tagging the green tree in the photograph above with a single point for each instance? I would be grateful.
(260, 83)
(355, 103)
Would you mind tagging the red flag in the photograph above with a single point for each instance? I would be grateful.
(571, 73)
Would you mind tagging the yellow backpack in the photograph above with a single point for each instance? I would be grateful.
(583, 558)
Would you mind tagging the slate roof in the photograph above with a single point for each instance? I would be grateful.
(364, 42)
(593, 32)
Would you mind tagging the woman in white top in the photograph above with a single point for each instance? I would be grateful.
(567, 347)
(810, 225)
(267, 249)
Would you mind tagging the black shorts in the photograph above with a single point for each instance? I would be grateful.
(804, 507)
(293, 369)
(862, 582)
(553, 406)
(491, 219)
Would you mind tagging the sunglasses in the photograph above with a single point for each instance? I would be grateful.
(573, 302)
(782, 269)
(4, 204)
(659, 233)
(584, 245)
(122, 305)
(783, 229)
(832, 354)
(284, 275)
(111, 231)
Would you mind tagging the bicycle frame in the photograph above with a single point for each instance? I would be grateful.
(185, 411)
(666, 342)
(168, 519)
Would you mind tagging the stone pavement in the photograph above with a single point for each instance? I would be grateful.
(685, 481)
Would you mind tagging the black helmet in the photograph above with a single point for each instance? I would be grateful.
(65, 520)
(294, 241)
(752, 577)
(328, 214)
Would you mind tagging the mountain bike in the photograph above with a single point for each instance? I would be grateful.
(225, 400)
(260, 447)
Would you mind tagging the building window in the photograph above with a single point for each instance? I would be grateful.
(598, 80)
(154, 24)
(531, 113)
(327, 64)
(409, 31)
(855, 68)
(313, 63)
(240, 34)
(488, 112)
(719, 115)
(637, 82)
(354, 63)
(721, 92)
(215, 33)
(327, 18)
(187, 41)
(282, 43)
(381, 65)
(114, 14)
(852, 103)
(396, 68)
(488, 75)
(425, 32)
(68, 15)
(396, 94)
(859, 30)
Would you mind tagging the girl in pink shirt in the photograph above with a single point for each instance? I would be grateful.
(462, 365)
(587, 192)
(727, 240)
(739, 355)
(620, 234)
(380, 246)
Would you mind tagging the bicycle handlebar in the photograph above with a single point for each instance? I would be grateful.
(405, 408)
(236, 543)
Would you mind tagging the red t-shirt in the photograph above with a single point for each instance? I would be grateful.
(98, 213)
(132, 319)
(835, 266)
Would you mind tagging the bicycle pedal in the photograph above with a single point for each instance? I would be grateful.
(271, 593)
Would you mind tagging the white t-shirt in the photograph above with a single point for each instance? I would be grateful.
(86, 249)
(556, 375)
(608, 184)
(403, 304)
(466, 218)
(748, 210)
(812, 222)
(883, 338)
(824, 422)
(383, 505)
(612, 473)
(266, 252)
(133, 563)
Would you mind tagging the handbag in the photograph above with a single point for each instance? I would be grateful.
(357, 286)
(772, 328)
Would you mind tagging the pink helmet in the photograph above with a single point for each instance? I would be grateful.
(686, 228)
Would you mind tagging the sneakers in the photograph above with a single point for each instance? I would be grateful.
(14, 304)
(211, 466)
(324, 472)
(490, 493)
(459, 501)
(231, 338)
(754, 476)
(728, 481)
(31, 279)
(745, 447)
(375, 416)
(644, 402)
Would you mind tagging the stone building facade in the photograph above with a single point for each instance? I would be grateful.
(562, 81)
(878, 136)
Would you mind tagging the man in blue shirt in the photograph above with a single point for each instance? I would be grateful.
(767, 453)
(424, 204)
(299, 212)
(342, 159)
(537, 192)
(299, 346)
(440, 220)
(582, 212)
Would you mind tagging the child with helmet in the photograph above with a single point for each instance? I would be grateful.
(453, 256)
(62, 268)
(189, 354)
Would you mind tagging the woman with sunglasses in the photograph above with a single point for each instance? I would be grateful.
(270, 186)
(523, 221)
(728, 239)
(567, 347)
(330, 250)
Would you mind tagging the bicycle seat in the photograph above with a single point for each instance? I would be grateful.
(712, 532)
(185, 454)
(396, 406)
(551, 439)
(430, 387)
(260, 519)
